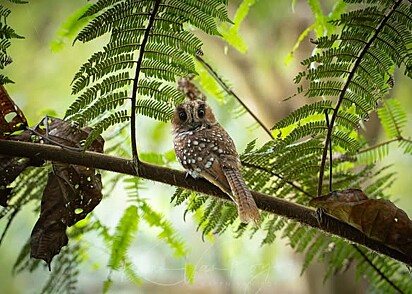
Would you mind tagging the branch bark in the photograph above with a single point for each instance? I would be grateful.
(271, 204)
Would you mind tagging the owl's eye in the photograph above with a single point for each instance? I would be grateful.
(182, 115)
(201, 112)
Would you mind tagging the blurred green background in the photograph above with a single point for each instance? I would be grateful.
(260, 76)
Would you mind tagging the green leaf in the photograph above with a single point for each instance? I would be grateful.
(231, 34)
(168, 233)
(190, 273)
(393, 118)
(70, 28)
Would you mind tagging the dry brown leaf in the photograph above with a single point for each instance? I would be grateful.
(12, 118)
(71, 193)
(378, 219)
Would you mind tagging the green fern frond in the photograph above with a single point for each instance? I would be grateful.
(215, 8)
(406, 145)
(167, 72)
(198, 16)
(307, 236)
(343, 140)
(26, 188)
(183, 40)
(309, 129)
(23, 260)
(362, 107)
(217, 217)
(146, 37)
(377, 190)
(392, 117)
(229, 216)
(344, 55)
(123, 236)
(131, 274)
(168, 233)
(6, 33)
(373, 154)
(160, 92)
(317, 246)
(210, 217)
(113, 119)
(273, 225)
(155, 109)
(195, 202)
(107, 86)
(347, 120)
(63, 278)
(390, 268)
(133, 185)
(304, 112)
(324, 88)
(337, 256)
(180, 196)
(101, 107)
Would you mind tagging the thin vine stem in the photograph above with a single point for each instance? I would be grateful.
(227, 89)
(343, 92)
(330, 153)
(136, 81)
(296, 187)
(398, 139)
(380, 273)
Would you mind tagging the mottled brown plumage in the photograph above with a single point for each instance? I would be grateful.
(206, 150)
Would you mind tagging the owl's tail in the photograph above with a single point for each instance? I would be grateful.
(246, 205)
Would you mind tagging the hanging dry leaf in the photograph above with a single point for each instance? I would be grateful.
(378, 219)
(49, 233)
(11, 117)
(71, 192)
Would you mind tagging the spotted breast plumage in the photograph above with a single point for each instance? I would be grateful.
(206, 150)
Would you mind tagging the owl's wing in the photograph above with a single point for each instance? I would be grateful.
(229, 179)
(214, 174)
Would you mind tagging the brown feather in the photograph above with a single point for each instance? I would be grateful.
(247, 208)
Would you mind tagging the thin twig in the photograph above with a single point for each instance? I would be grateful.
(277, 176)
(136, 82)
(227, 89)
(343, 92)
(383, 144)
(380, 273)
(9, 222)
(53, 142)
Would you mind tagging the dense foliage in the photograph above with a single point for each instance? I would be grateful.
(151, 43)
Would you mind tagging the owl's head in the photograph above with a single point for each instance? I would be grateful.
(192, 115)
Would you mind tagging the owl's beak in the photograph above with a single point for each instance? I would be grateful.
(195, 124)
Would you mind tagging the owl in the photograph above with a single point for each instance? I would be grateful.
(206, 150)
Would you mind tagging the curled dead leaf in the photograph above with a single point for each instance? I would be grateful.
(12, 118)
(378, 219)
(71, 193)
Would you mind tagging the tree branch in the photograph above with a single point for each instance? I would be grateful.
(177, 178)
